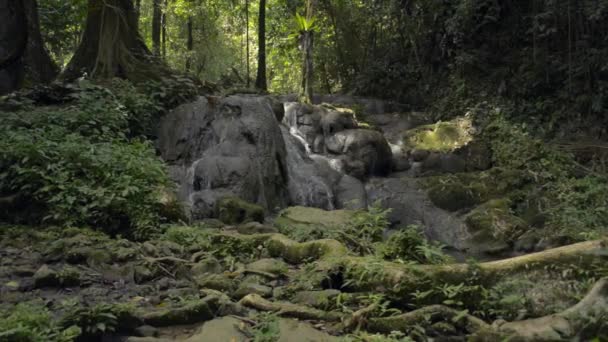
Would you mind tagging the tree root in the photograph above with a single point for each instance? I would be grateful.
(289, 310)
(408, 278)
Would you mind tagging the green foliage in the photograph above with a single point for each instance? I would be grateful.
(410, 244)
(267, 328)
(75, 165)
(31, 322)
(99, 320)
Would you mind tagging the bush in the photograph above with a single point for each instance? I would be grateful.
(75, 165)
(27, 322)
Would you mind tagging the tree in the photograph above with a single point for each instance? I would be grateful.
(260, 81)
(306, 40)
(111, 45)
(39, 67)
(13, 42)
(247, 39)
(156, 26)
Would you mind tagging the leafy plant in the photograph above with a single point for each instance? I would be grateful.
(32, 322)
(410, 244)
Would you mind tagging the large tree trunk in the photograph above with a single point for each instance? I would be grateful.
(306, 90)
(247, 39)
(156, 26)
(13, 42)
(111, 45)
(260, 81)
(40, 68)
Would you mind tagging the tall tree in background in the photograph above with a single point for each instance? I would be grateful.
(260, 81)
(156, 26)
(39, 67)
(306, 42)
(247, 41)
(13, 42)
(111, 45)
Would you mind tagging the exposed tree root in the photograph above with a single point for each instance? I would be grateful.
(407, 278)
(289, 310)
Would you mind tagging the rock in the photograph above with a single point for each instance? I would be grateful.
(123, 254)
(232, 148)
(307, 183)
(313, 217)
(335, 120)
(217, 282)
(441, 136)
(209, 265)
(318, 299)
(192, 312)
(451, 163)
(295, 331)
(350, 194)
(250, 288)
(225, 329)
(452, 196)
(272, 266)
(419, 155)
(252, 228)
(493, 227)
(233, 210)
(146, 331)
(366, 152)
(142, 274)
(45, 277)
(410, 204)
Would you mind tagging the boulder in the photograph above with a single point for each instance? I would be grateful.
(231, 147)
(225, 329)
(232, 210)
(366, 152)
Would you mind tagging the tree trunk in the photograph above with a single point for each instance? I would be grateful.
(306, 90)
(156, 26)
(137, 11)
(40, 68)
(112, 47)
(261, 82)
(189, 44)
(13, 42)
(163, 21)
(247, 39)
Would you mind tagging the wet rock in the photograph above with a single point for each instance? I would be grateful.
(350, 194)
(419, 155)
(235, 211)
(272, 266)
(225, 329)
(366, 151)
(232, 148)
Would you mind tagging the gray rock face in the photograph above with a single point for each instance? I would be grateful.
(410, 205)
(231, 148)
(335, 133)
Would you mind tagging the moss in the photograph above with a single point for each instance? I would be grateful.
(303, 223)
(494, 220)
(441, 136)
(190, 313)
(233, 210)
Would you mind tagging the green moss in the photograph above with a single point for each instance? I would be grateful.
(234, 210)
(304, 223)
(494, 221)
(441, 136)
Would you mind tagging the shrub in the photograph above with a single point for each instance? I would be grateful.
(33, 323)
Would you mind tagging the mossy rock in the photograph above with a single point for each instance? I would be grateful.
(217, 282)
(441, 136)
(493, 227)
(233, 210)
(466, 190)
(305, 223)
(190, 313)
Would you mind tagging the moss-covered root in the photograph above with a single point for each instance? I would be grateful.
(425, 317)
(410, 277)
(289, 310)
(589, 315)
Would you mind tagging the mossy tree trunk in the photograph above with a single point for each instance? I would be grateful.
(112, 47)
(156, 26)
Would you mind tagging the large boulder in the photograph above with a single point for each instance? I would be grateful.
(225, 147)
(366, 152)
